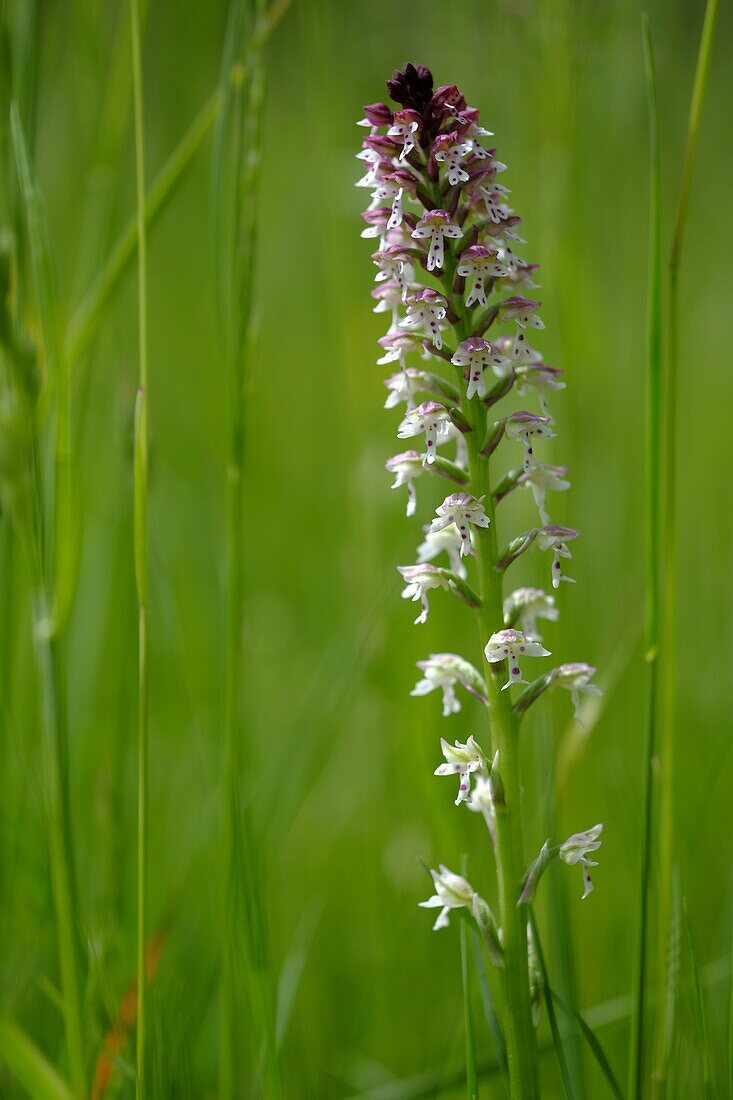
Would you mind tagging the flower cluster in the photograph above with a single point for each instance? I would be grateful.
(461, 327)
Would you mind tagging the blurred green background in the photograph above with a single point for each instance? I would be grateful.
(339, 758)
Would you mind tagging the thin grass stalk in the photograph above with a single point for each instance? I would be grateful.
(557, 1041)
(87, 318)
(141, 551)
(235, 178)
(699, 1006)
(44, 570)
(670, 570)
(652, 560)
(730, 1027)
(436, 1081)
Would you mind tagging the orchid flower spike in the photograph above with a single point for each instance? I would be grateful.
(509, 645)
(526, 605)
(406, 466)
(419, 579)
(525, 427)
(555, 538)
(476, 354)
(448, 540)
(462, 510)
(435, 226)
(431, 418)
(445, 670)
(451, 892)
(461, 760)
(575, 677)
(576, 849)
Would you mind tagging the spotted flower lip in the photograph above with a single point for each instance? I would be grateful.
(450, 151)
(445, 671)
(434, 227)
(463, 510)
(526, 426)
(426, 310)
(404, 128)
(576, 849)
(431, 418)
(476, 264)
(555, 538)
(476, 354)
(462, 760)
(419, 579)
(451, 892)
(509, 645)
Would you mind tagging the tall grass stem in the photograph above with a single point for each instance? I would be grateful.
(653, 531)
(141, 551)
(670, 569)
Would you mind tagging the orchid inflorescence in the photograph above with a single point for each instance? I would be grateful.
(461, 320)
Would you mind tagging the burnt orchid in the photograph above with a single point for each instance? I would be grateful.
(453, 282)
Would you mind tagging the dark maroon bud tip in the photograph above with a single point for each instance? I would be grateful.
(379, 114)
(411, 86)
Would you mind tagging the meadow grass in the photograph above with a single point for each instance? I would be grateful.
(337, 986)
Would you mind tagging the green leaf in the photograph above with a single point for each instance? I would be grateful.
(595, 1046)
(699, 1003)
(30, 1068)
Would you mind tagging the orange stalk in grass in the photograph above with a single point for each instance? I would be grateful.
(118, 1035)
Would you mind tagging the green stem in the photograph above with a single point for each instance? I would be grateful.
(141, 555)
(653, 532)
(62, 870)
(88, 317)
(520, 1034)
(668, 635)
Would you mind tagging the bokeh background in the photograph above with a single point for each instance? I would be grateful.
(339, 758)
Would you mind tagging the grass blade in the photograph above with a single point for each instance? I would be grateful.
(552, 1018)
(699, 1003)
(489, 1006)
(730, 1028)
(66, 540)
(29, 1066)
(88, 317)
(668, 627)
(596, 1049)
(140, 536)
(653, 529)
